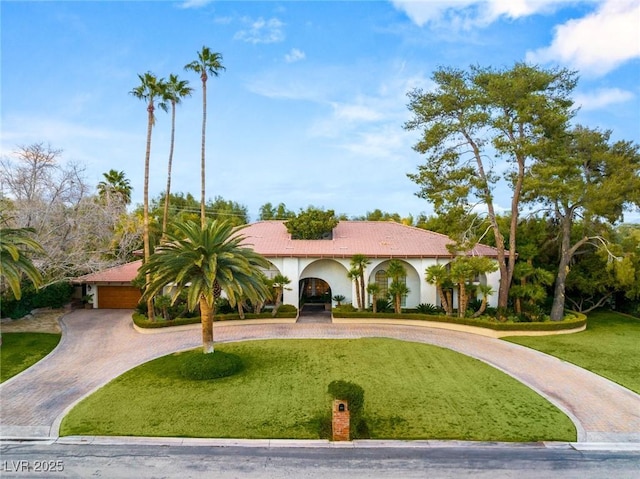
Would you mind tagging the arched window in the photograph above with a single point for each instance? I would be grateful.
(383, 283)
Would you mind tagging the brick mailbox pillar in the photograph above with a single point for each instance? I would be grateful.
(340, 421)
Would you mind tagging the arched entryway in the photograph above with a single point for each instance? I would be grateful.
(314, 291)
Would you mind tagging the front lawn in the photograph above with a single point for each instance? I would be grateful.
(412, 391)
(21, 350)
(610, 347)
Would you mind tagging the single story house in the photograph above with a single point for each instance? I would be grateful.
(318, 269)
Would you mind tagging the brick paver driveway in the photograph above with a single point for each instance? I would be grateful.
(98, 345)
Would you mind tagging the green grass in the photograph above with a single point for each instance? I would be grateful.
(610, 347)
(412, 391)
(21, 350)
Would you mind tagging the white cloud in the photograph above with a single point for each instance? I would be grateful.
(261, 31)
(465, 14)
(195, 3)
(294, 55)
(355, 112)
(597, 43)
(602, 98)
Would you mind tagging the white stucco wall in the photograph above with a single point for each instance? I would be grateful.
(334, 272)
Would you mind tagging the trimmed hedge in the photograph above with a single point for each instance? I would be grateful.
(571, 321)
(141, 320)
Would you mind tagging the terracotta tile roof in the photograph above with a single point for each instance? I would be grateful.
(375, 239)
(370, 238)
(118, 274)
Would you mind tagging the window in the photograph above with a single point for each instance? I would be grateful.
(383, 283)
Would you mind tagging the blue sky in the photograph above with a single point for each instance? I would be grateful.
(311, 106)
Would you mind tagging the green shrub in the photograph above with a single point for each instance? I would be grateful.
(384, 305)
(55, 295)
(427, 308)
(287, 308)
(354, 395)
(345, 308)
(198, 366)
(350, 392)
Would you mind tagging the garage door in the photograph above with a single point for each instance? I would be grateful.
(118, 297)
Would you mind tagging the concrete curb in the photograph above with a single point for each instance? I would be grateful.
(490, 333)
(318, 443)
(216, 324)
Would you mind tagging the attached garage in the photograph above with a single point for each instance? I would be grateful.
(112, 288)
(118, 297)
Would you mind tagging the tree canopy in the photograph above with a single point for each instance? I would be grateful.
(312, 224)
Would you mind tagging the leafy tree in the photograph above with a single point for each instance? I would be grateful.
(74, 227)
(570, 184)
(531, 283)
(312, 224)
(601, 276)
(115, 187)
(270, 212)
(16, 247)
(184, 207)
(517, 112)
(174, 91)
(279, 282)
(150, 90)
(204, 261)
(207, 63)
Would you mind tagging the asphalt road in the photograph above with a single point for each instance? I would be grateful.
(45, 460)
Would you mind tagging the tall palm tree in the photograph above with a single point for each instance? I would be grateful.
(204, 261)
(16, 245)
(358, 264)
(208, 62)
(175, 91)
(116, 184)
(149, 90)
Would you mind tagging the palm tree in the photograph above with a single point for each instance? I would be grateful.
(486, 291)
(15, 246)
(437, 274)
(116, 184)
(149, 90)
(205, 261)
(374, 290)
(175, 91)
(398, 287)
(358, 264)
(208, 62)
(279, 283)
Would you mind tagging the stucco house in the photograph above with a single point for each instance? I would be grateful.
(318, 268)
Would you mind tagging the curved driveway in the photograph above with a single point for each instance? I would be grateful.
(98, 345)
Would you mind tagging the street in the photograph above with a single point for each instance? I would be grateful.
(52, 460)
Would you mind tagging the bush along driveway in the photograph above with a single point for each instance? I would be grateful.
(99, 345)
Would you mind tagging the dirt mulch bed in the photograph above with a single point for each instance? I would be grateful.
(42, 321)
